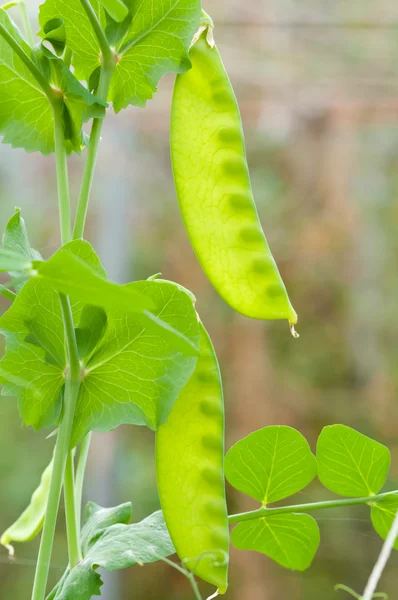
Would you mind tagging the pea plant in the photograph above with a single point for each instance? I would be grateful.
(86, 354)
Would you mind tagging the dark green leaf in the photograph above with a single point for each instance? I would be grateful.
(97, 519)
(116, 9)
(270, 464)
(92, 325)
(26, 117)
(25, 373)
(79, 584)
(290, 539)
(351, 464)
(134, 374)
(383, 513)
(54, 32)
(118, 547)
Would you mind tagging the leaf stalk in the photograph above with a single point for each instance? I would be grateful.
(73, 531)
(107, 70)
(300, 508)
(62, 174)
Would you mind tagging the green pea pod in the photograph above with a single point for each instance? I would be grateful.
(214, 191)
(190, 472)
(28, 525)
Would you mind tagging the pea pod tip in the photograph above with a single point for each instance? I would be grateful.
(293, 331)
(206, 25)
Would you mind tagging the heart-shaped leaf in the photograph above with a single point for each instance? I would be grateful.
(350, 463)
(290, 539)
(271, 464)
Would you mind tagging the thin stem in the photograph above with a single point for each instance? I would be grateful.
(26, 22)
(345, 588)
(9, 5)
(106, 51)
(95, 137)
(72, 385)
(299, 508)
(381, 561)
(73, 530)
(80, 472)
(187, 574)
(62, 175)
(9, 294)
(194, 585)
(29, 64)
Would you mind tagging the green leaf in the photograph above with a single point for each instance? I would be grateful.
(97, 519)
(26, 117)
(383, 513)
(54, 32)
(116, 9)
(350, 463)
(118, 546)
(270, 464)
(28, 525)
(150, 42)
(80, 36)
(15, 239)
(12, 261)
(133, 375)
(68, 274)
(290, 539)
(156, 43)
(25, 373)
(92, 325)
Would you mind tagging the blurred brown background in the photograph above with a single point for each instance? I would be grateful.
(317, 84)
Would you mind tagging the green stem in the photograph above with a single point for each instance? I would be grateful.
(9, 5)
(187, 574)
(299, 508)
(194, 585)
(95, 137)
(26, 22)
(29, 64)
(9, 294)
(72, 384)
(73, 530)
(106, 51)
(62, 174)
(80, 472)
(345, 588)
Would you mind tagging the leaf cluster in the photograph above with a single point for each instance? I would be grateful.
(276, 462)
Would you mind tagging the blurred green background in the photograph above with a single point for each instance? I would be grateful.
(317, 84)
